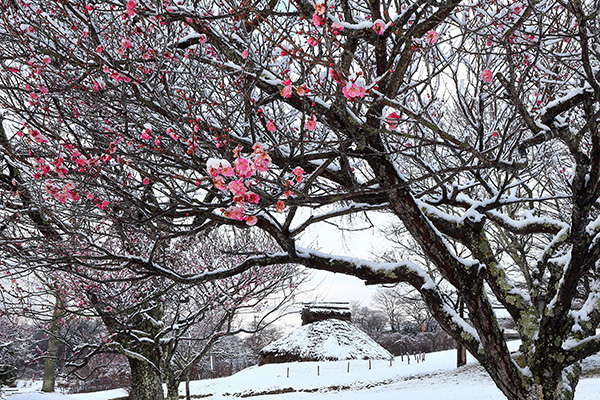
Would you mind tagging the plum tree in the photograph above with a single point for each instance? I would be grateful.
(474, 126)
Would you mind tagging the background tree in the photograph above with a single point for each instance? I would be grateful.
(390, 303)
(464, 123)
(367, 319)
(16, 351)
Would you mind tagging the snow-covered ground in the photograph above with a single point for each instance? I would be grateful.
(434, 378)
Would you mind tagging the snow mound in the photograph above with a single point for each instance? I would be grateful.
(330, 339)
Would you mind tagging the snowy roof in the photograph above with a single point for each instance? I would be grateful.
(331, 339)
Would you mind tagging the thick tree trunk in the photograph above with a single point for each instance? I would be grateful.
(146, 383)
(52, 352)
(557, 386)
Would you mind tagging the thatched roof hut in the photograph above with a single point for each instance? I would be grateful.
(325, 339)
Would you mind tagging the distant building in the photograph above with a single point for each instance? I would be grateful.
(325, 334)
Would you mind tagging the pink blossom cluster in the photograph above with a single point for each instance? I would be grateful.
(38, 137)
(286, 91)
(313, 41)
(302, 90)
(298, 173)
(147, 132)
(116, 76)
(42, 168)
(317, 20)
(172, 134)
(271, 127)
(239, 184)
(298, 177)
(320, 8)
(62, 194)
(130, 7)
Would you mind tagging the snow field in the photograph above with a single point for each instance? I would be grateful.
(436, 378)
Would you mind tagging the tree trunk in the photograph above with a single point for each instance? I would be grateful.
(187, 386)
(146, 383)
(461, 355)
(52, 352)
(461, 351)
(172, 385)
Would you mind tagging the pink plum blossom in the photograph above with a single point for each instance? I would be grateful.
(302, 90)
(251, 220)
(236, 213)
(271, 126)
(258, 148)
(320, 8)
(262, 163)
(286, 91)
(317, 20)
(243, 168)
(226, 170)
(337, 27)
(310, 124)
(379, 27)
(486, 75)
(351, 90)
(237, 187)
(252, 197)
(219, 183)
(392, 120)
(171, 133)
(216, 166)
(280, 206)
(38, 137)
(298, 173)
(131, 4)
(431, 37)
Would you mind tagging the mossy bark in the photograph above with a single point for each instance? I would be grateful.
(146, 382)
